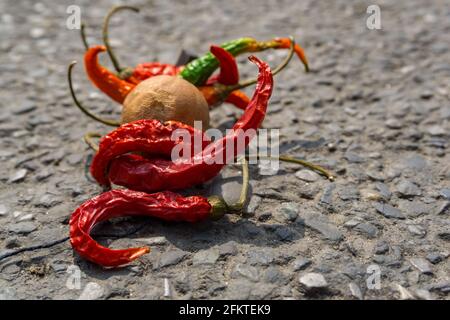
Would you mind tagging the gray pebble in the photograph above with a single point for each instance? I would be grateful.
(352, 222)
(49, 200)
(285, 233)
(40, 120)
(404, 293)
(435, 257)
(353, 157)
(422, 265)
(208, 257)
(7, 293)
(327, 195)
(25, 107)
(228, 249)
(253, 204)
(367, 229)
(75, 159)
(423, 294)
(417, 230)
(246, 271)
(239, 289)
(393, 123)
(437, 131)
(92, 291)
(3, 210)
(22, 227)
(307, 175)
(388, 211)
(349, 192)
(287, 212)
(231, 191)
(408, 189)
(355, 290)
(301, 263)
(43, 175)
(381, 247)
(18, 176)
(445, 193)
(171, 257)
(414, 162)
(260, 257)
(274, 275)
(414, 208)
(320, 223)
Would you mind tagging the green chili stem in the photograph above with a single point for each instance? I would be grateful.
(88, 139)
(83, 36)
(239, 205)
(110, 51)
(81, 107)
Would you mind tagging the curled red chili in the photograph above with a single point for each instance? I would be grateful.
(163, 205)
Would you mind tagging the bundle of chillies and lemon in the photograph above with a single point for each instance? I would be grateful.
(157, 99)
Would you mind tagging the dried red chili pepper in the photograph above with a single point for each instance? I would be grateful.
(150, 69)
(229, 73)
(163, 205)
(104, 79)
(160, 173)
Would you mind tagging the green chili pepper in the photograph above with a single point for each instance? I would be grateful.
(199, 70)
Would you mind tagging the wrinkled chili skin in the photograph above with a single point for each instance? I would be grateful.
(106, 81)
(150, 69)
(165, 205)
(149, 136)
(229, 73)
(156, 171)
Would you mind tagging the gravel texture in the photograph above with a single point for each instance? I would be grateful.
(375, 110)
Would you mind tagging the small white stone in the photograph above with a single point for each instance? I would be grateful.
(356, 291)
(16, 214)
(37, 33)
(423, 294)
(404, 293)
(26, 217)
(18, 176)
(313, 280)
(92, 291)
(3, 210)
